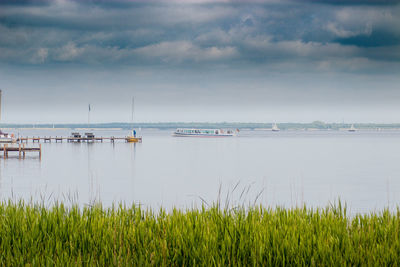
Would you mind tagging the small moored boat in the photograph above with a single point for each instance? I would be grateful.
(185, 132)
(132, 138)
(7, 138)
(275, 128)
(352, 128)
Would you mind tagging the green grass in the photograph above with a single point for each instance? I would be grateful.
(33, 235)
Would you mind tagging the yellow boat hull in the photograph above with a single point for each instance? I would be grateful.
(131, 139)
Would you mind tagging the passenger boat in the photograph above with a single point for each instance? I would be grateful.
(185, 132)
(6, 138)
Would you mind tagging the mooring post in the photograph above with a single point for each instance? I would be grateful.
(4, 148)
(19, 151)
(40, 151)
(23, 150)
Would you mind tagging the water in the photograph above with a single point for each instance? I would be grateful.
(286, 168)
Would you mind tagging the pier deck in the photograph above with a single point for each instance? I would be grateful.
(21, 149)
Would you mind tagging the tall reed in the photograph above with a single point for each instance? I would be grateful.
(131, 236)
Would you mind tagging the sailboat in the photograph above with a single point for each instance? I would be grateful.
(352, 128)
(132, 137)
(275, 128)
(5, 137)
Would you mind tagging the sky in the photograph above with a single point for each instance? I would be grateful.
(200, 60)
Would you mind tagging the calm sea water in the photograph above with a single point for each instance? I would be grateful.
(285, 168)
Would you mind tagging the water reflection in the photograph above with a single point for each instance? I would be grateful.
(289, 168)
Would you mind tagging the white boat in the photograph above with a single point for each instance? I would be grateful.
(352, 128)
(275, 128)
(6, 138)
(186, 132)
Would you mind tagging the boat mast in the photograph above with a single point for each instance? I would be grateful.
(133, 103)
(88, 117)
(0, 104)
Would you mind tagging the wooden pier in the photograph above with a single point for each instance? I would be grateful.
(56, 139)
(21, 149)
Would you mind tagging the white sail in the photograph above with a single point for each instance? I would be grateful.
(275, 128)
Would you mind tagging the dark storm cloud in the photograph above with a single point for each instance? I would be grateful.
(376, 38)
(325, 35)
(356, 2)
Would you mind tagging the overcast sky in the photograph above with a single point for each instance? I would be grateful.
(200, 60)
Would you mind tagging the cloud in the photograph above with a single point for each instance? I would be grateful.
(69, 52)
(184, 51)
(201, 33)
(356, 2)
(343, 33)
(41, 55)
(366, 27)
